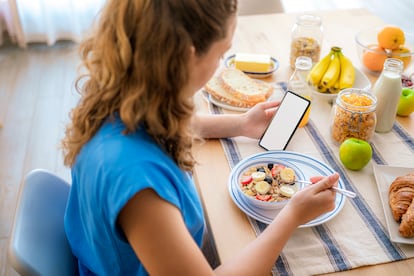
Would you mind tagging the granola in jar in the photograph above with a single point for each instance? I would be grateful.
(304, 46)
(354, 115)
(306, 38)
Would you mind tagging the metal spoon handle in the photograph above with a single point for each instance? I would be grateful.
(344, 192)
(347, 193)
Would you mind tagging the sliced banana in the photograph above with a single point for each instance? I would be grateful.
(249, 192)
(262, 187)
(287, 191)
(287, 175)
(258, 176)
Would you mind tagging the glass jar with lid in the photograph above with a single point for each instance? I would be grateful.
(306, 40)
(353, 115)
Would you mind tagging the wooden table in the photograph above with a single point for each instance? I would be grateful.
(271, 34)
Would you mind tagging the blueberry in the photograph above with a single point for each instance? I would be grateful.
(270, 166)
(268, 179)
(261, 169)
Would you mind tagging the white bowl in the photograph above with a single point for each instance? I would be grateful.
(244, 165)
(361, 81)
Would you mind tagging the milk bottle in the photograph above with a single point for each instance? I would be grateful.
(387, 90)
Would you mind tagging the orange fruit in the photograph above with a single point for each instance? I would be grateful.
(374, 60)
(391, 37)
(402, 53)
(305, 118)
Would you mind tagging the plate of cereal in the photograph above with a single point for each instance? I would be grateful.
(263, 203)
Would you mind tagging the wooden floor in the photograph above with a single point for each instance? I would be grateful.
(36, 93)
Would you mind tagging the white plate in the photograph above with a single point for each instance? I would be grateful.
(277, 94)
(308, 167)
(361, 81)
(384, 176)
(224, 105)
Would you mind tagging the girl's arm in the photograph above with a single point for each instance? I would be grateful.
(250, 124)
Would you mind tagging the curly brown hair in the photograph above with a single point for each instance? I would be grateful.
(136, 66)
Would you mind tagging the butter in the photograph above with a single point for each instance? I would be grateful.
(255, 63)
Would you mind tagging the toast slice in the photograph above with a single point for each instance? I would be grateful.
(243, 87)
(215, 88)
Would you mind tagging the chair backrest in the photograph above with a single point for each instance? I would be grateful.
(38, 244)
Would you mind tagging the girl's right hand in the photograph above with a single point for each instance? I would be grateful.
(314, 200)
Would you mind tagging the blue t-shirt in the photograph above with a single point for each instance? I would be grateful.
(110, 169)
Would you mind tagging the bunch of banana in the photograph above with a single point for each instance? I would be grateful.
(332, 73)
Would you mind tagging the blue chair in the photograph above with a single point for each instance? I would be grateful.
(38, 244)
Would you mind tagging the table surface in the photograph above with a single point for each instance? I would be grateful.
(271, 34)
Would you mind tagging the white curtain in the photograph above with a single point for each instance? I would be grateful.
(49, 20)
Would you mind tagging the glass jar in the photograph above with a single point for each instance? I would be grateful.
(297, 83)
(306, 38)
(354, 115)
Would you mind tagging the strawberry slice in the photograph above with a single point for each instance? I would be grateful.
(246, 180)
(263, 197)
(276, 169)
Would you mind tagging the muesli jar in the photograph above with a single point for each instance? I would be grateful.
(306, 38)
(354, 115)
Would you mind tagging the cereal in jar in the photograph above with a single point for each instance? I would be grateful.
(354, 115)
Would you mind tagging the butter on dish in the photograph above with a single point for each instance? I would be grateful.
(256, 63)
(257, 66)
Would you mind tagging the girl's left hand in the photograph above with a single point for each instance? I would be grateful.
(256, 120)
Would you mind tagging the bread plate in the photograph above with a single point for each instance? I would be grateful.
(274, 65)
(277, 94)
(224, 105)
(384, 176)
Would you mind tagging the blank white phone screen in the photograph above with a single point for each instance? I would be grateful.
(285, 122)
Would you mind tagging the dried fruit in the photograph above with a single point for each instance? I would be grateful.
(406, 81)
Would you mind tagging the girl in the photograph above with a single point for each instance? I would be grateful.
(133, 208)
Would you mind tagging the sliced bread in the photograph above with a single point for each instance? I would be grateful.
(243, 87)
(215, 88)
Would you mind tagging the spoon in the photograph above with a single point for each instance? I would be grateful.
(339, 190)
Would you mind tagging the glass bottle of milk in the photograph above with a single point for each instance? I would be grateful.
(387, 89)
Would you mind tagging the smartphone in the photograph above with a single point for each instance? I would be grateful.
(285, 122)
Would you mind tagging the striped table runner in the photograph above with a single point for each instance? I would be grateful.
(358, 235)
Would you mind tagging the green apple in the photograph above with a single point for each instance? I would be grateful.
(355, 153)
(406, 104)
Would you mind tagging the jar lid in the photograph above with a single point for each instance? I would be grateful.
(308, 20)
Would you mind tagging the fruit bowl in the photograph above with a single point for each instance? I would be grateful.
(361, 82)
(372, 56)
